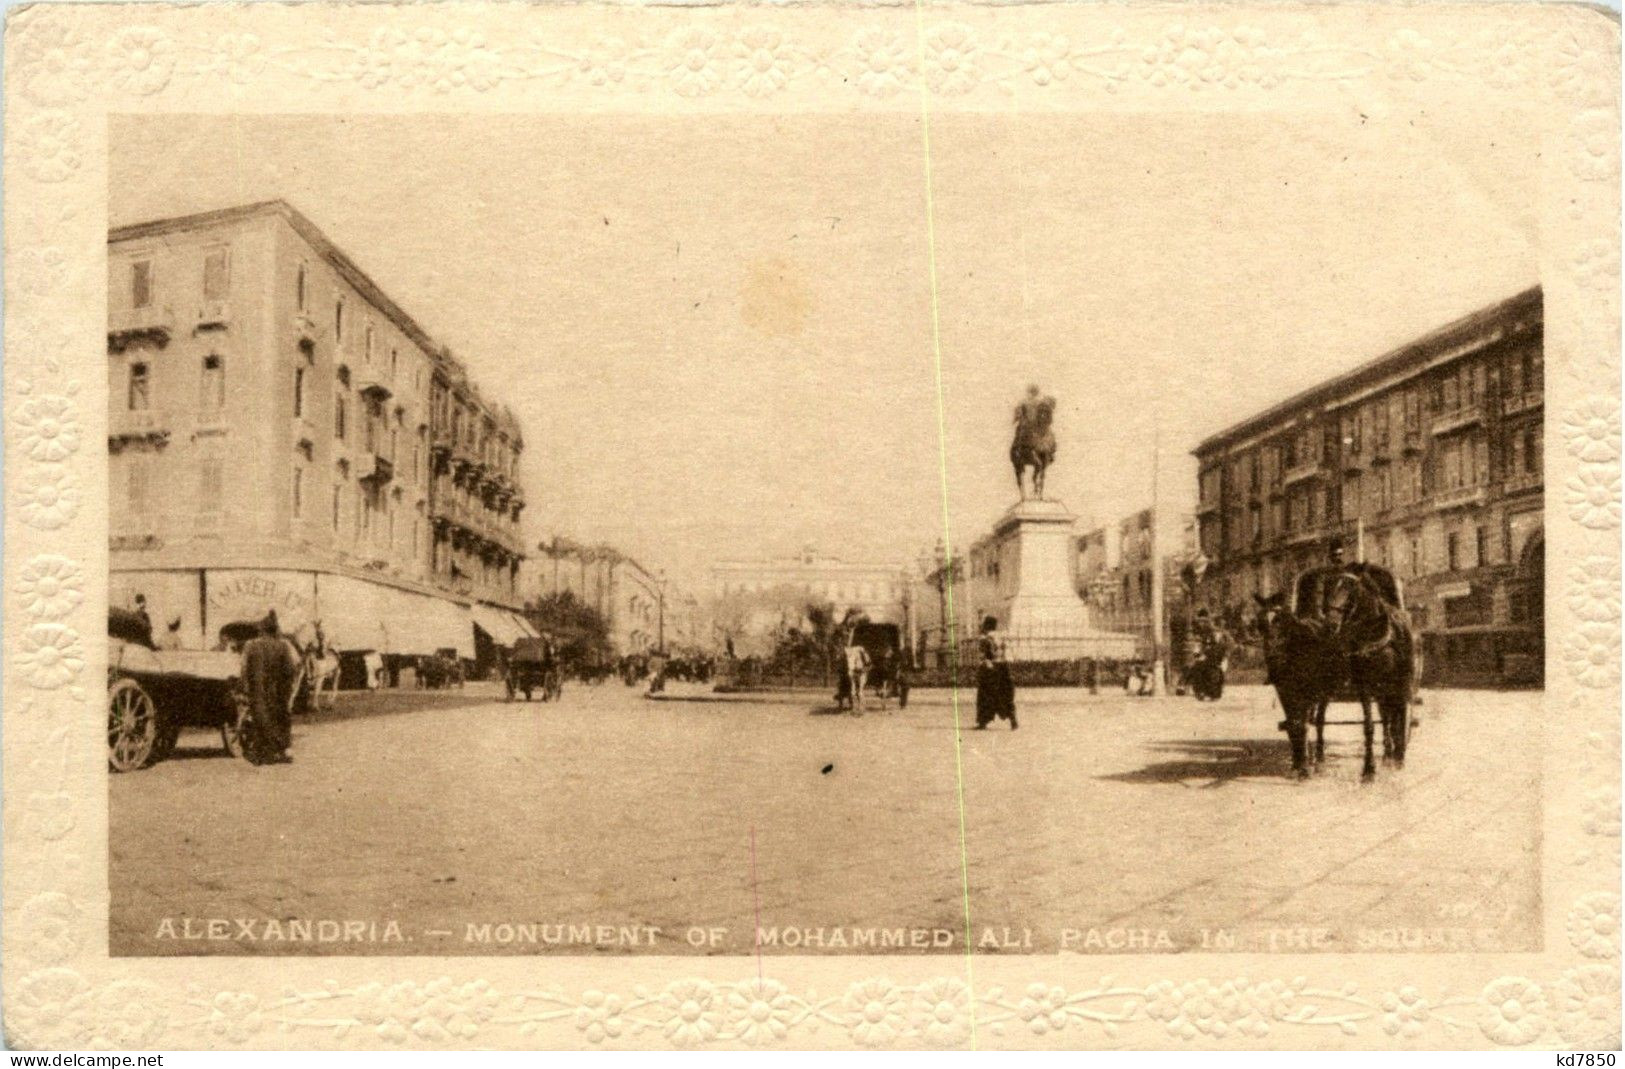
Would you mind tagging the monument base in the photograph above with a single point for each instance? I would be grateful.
(1041, 616)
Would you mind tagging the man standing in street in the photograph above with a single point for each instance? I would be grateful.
(268, 674)
(857, 668)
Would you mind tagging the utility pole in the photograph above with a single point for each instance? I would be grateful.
(660, 620)
(1159, 663)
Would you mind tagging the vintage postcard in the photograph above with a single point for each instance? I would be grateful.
(919, 525)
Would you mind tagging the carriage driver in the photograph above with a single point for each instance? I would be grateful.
(268, 675)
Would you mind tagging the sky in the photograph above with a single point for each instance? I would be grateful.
(717, 331)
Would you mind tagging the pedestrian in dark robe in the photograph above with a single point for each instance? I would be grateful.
(995, 690)
(268, 675)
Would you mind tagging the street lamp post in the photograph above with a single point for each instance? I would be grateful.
(660, 612)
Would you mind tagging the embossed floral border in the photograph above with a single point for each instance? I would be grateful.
(68, 66)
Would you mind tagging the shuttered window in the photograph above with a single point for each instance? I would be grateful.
(141, 284)
(216, 274)
(211, 484)
(136, 489)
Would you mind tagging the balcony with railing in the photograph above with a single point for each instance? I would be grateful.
(374, 468)
(1455, 419)
(1522, 482)
(372, 384)
(134, 425)
(125, 326)
(1458, 497)
(1297, 473)
(1523, 402)
(1313, 532)
(212, 315)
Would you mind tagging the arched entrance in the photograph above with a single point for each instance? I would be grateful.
(1532, 578)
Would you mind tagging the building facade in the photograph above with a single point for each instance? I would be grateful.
(1427, 460)
(273, 431)
(753, 599)
(636, 604)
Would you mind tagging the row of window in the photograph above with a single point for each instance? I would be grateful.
(854, 592)
(1465, 465)
(1406, 552)
(475, 432)
(1371, 424)
(138, 392)
(216, 278)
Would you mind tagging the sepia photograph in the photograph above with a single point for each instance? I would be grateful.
(823, 526)
(604, 554)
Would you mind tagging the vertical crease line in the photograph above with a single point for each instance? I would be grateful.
(947, 539)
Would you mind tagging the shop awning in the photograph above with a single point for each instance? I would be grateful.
(431, 624)
(500, 625)
(524, 627)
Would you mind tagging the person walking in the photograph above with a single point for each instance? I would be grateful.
(268, 674)
(995, 691)
(857, 669)
(657, 672)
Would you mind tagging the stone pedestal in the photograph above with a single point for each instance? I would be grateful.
(1039, 609)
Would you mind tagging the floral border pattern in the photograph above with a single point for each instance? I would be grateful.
(68, 66)
(56, 1006)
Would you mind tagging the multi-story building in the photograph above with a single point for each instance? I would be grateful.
(635, 603)
(752, 598)
(1114, 575)
(875, 588)
(1426, 460)
(273, 418)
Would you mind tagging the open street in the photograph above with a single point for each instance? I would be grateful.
(455, 822)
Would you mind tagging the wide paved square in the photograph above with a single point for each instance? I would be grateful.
(611, 823)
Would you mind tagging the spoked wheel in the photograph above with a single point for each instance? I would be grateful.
(132, 726)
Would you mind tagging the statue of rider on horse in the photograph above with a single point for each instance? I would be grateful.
(1034, 443)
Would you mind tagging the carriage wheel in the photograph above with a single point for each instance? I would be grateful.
(132, 726)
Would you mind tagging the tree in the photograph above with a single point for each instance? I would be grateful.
(581, 632)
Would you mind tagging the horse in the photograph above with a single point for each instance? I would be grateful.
(319, 665)
(1372, 631)
(1348, 630)
(1304, 668)
(1033, 447)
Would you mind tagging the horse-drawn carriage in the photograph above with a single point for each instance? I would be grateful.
(152, 694)
(440, 669)
(532, 665)
(1341, 634)
(887, 675)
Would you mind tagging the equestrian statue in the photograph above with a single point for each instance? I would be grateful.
(1034, 443)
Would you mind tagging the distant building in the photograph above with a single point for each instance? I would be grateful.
(282, 435)
(1114, 574)
(1427, 460)
(875, 588)
(634, 602)
(752, 599)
